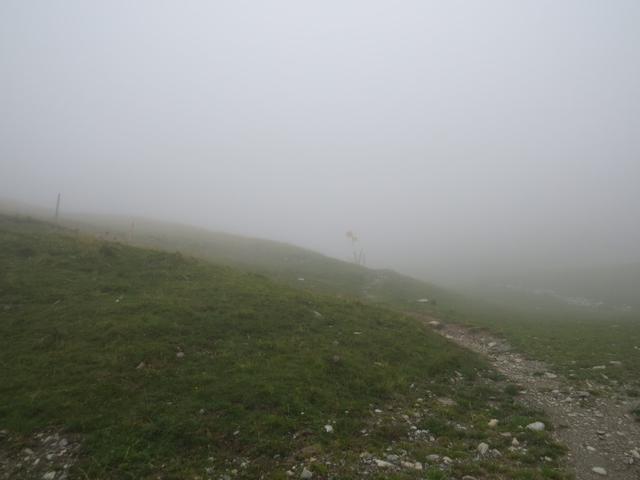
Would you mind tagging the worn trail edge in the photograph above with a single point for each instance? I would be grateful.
(599, 431)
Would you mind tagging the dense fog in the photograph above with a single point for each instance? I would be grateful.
(454, 138)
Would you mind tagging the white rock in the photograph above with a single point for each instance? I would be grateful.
(433, 458)
(180, 354)
(446, 460)
(483, 448)
(599, 470)
(590, 448)
(515, 442)
(306, 473)
(550, 375)
(382, 463)
(49, 476)
(493, 423)
(434, 323)
(599, 367)
(328, 428)
(414, 466)
(536, 426)
(635, 454)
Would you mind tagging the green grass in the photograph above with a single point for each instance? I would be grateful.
(265, 367)
(285, 263)
(572, 339)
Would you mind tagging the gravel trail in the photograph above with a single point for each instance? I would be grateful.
(599, 430)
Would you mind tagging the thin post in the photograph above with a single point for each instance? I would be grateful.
(57, 208)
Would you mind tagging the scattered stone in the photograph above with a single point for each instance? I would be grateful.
(492, 344)
(550, 375)
(141, 365)
(493, 423)
(599, 367)
(317, 314)
(413, 465)
(468, 477)
(599, 470)
(617, 363)
(483, 448)
(536, 426)
(635, 454)
(447, 460)
(447, 402)
(435, 324)
(180, 354)
(306, 474)
(433, 458)
(515, 442)
(590, 448)
(392, 458)
(328, 428)
(49, 476)
(382, 463)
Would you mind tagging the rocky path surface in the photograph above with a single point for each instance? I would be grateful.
(601, 434)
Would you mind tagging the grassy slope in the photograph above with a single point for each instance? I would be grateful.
(559, 334)
(574, 339)
(262, 372)
(280, 261)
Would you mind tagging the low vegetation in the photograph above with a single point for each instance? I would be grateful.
(156, 365)
(598, 345)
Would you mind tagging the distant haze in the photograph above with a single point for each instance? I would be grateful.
(454, 137)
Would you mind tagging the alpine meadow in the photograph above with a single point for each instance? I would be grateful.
(319, 240)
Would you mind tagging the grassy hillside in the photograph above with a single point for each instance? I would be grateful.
(548, 327)
(573, 338)
(294, 266)
(155, 365)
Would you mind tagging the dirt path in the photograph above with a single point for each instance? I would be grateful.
(599, 431)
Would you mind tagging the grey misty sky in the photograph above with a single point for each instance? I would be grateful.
(450, 135)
